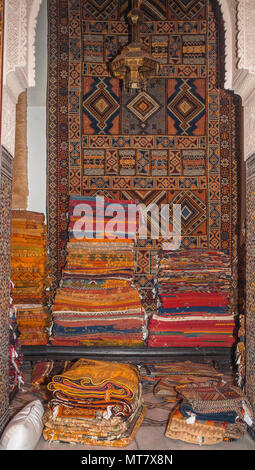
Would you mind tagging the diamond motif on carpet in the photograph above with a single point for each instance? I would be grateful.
(143, 106)
(101, 106)
(193, 211)
(186, 107)
(144, 112)
(100, 9)
(186, 9)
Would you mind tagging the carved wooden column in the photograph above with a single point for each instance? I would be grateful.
(20, 178)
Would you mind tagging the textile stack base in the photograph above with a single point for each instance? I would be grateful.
(95, 403)
(15, 354)
(195, 301)
(161, 380)
(97, 303)
(30, 276)
(209, 412)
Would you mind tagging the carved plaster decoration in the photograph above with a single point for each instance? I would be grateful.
(15, 47)
(249, 128)
(8, 122)
(32, 21)
(228, 14)
(245, 35)
(19, 61)
(244, 79)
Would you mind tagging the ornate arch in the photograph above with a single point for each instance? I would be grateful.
(19, 60)
(228, 14)
(239, 17)
(19, 23)
(32, 22)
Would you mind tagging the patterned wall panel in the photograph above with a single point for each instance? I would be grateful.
(5, 247)
(5, 211)
(250, 307)
(165, 145)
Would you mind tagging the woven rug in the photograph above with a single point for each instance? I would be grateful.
(5, 249)
(250, 312)
(6, 168)
(176, 143)
(158, 382)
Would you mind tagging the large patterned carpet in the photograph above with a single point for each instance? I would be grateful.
(175, 143)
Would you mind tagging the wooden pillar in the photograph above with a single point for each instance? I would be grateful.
(20, 177)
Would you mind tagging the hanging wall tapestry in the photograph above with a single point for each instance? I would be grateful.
(175, 143)
(5, 250)
(250, 312)
(6, 163)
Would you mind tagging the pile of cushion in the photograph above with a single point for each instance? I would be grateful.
(195, 302)
(95, 403)
(209, 413)
(30, 276)
(96, 303)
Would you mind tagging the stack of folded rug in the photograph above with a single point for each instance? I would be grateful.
(101, 217)
(15, 354)
(209, 413)
(240, 352)
(195, 302)
(29, 273)
(96, 303)
(95, 403)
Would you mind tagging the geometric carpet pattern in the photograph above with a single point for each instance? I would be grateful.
(249, 365)
(174, 143)
(6, 172)
(5, 250)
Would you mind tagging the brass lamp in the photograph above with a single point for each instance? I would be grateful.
(135, 65)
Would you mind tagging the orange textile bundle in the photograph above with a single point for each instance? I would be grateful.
(95, 402)
(30, 275)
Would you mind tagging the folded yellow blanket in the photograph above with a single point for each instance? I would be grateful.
(90, 378)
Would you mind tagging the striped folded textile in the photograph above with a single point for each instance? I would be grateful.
(225, 416)
(209, 412)
(97, 303)
(100, 380)
(100, 259)
(201, 432)
(104, 436)
(34, 322)
(195, 300)
(180, 332)
(215, 398)
(97, 315)
(15, 354)
(100, 217)
(114, 299)
(30, 276)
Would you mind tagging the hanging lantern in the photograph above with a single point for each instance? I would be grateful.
(135, 65)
